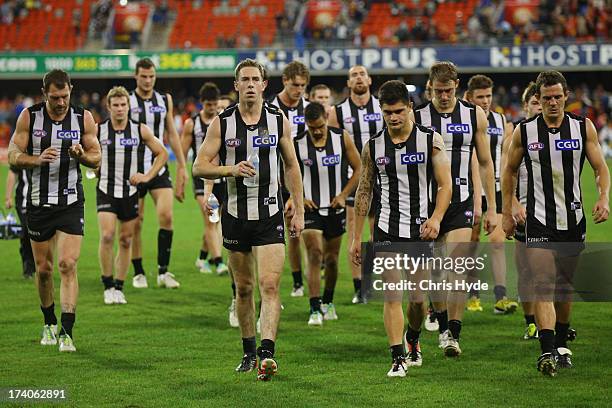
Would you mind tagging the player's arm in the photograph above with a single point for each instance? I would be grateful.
(518, 210)
(159, 152)
(363, 198)
(18, 146)
(508, 180)
(89, 153)
(477, 183)
(187, 137)
(8, 192)
(352, 155)
(333, 118)
(175, 145)
(442, 172)
(487, 175)
(293, 178)
(594, 155)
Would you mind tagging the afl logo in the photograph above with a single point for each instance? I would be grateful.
(383, 161)
(307, 162)
(199, 135)
(349, 120)
(535, 146)
(136, 110)
(233, 143)
(106, 142)
(39, 133)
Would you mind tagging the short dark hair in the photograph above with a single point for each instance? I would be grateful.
(528, 92)
(248, 62)
(314, 111)
(550, 78)
(209, 92)
(57, 77)
(318, 87)
(392, 92)
(145, 63)
(443, 71)
(296, 68)
(479, 82)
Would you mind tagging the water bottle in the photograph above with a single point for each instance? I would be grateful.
(11, 226)
(90, 174)
(254, 159)
(214, 204)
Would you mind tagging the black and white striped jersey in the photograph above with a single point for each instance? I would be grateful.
(119, 158)
(495, 132)
(361, 122)
(554, 158)
(404, 172)
(458, 129)
(324, 169)
(239, 142)
(152, 112)
(294, 115)
(59, 182)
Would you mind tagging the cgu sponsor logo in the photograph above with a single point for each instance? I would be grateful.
(331, 160)
(39, 133)
(69, 134)
(264, 141)
(567, 144)
(232, 143)
(535, 146)
(371, 117)
(494, 131)
(157, 109)
(298, 120)
(413, 158)
(382, 161)
(458, 128)
(128, 142)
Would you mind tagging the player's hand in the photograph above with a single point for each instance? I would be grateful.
(339, 201)
(49, 155)
(519, 214)
(205, 204)
(430, 229)
(8, 202)
(179, 189)
(355, 252)
(243, 169)
(137, 179)
(601, 210)
(297, 224)
(508, 225)
(310, 205)
(490, 221)
(76, 151)
(289, 208)
(477, 212)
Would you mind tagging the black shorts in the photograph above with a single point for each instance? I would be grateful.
(498, 203)
(333, 225)
(459, 215)
(126, 209)
(44, 222)
(242, 235)
(417, 247)
(540, 236)
(163, 181)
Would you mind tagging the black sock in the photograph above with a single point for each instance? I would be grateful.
(474, 293)
(357, 284)
(328, 296)
(267, 346)
(67, 323)
(203, 254)
(442, 318)
(118, 284)
(216, 261)
(500, 292)
(397, 351)
(49, 314)
(412, 336)
(315, 304)
(108, 282)
(529, 319)
(249, 345)
(455, 328)
(561, 334)
(137, 263)
(233, 290)
(547, 340)
(164, 245)
(297, 279)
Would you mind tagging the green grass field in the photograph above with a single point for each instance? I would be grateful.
(175, 347)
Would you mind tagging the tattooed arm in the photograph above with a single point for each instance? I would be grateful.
(363, 197)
